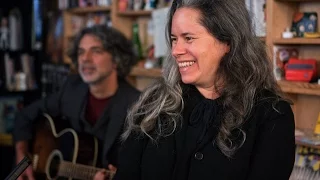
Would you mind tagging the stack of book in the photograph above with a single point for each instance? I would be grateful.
(307, 160)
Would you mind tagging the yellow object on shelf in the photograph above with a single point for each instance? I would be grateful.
(317, 128)
(5, 140)
(311, 35)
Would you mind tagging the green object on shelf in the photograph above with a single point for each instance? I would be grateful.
(136, 41)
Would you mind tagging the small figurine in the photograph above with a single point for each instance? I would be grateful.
(150, 4)
(4, 31)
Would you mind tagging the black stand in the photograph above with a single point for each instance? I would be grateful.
(18, 170)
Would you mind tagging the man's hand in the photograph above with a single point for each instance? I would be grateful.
(21, 151)
(103, 174)
(27, 174)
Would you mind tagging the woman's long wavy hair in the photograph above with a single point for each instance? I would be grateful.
(246, 71)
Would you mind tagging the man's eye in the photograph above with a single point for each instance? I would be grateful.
(189, 38)
(99, 51)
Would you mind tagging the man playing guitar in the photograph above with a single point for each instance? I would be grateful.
(94, 102)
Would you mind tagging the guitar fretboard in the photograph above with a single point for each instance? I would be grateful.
(79, 171)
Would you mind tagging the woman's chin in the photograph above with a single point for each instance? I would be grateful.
(187, 80)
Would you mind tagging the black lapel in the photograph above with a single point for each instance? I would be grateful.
(181, 133)
(185, 135)
(79, 99)
(116, 112)
(180, 137)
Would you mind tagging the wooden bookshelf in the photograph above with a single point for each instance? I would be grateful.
(135, 13)
(151, 73)
(296, 0)
(300, 87)
(6, 140)
(93, 9)
(70, 36)
(304, 96)
(297, 41)
(68, 29)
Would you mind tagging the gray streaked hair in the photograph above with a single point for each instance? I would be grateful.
(246, 71)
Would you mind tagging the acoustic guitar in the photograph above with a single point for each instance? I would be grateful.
(64, 154)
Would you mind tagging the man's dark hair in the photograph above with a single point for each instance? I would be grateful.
(114, 42)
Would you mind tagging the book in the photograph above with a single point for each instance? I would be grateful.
(258, 12)
(281, 55)
(9, 106)
(312, 140)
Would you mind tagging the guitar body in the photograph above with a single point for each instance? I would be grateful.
(53, 145)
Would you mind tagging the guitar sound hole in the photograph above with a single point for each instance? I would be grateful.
(54, 166)
(53, 163)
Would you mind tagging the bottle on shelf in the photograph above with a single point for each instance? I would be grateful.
(136, 41)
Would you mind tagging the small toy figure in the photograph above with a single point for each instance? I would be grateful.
(150, 4)
(304, 22)
(4, 31)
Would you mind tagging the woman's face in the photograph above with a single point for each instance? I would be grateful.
(196, 51)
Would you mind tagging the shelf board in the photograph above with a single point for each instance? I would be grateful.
(140, 71)
(93, 9)
(5, 139)
(314, 41)
(297, 0)
(18, 93)
(135, 13)
(307, 145)
(263, 39)
(70, 36)
(300, 88)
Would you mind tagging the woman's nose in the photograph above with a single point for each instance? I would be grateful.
(178, 49)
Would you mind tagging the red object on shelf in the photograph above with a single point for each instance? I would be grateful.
(300, 69)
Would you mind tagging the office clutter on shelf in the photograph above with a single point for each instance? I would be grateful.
(9, 106)
(17, 72)
(138, 5)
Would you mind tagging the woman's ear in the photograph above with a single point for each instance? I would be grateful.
(227, 48)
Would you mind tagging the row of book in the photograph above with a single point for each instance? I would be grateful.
(307, 164)
(137, 5)
(66, 4)
(14, 31)
(91, 19)
(53, 76)
(9, 106)
(304, 174)
(258, 12)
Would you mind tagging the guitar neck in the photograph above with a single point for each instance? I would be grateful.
(79, 171)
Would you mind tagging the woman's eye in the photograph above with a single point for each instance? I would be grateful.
(173, 39)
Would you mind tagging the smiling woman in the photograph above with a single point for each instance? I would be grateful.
(197, 52)
(217, 112)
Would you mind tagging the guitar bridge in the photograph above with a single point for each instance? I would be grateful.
(35, 162)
